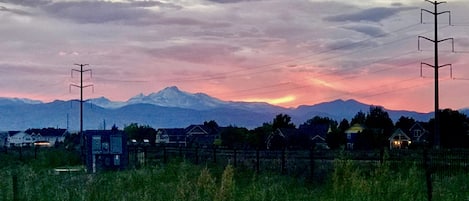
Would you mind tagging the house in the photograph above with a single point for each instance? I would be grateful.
(352, 133)
(202, 135)
(305, 137)
(47, 136)
(3, 139)
(419, 134)
(171, 137)
(19, 139)
(399, 140)
(193, 135)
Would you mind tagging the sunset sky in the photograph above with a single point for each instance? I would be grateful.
(285, 52)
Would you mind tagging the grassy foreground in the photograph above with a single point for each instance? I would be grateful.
(181, 180)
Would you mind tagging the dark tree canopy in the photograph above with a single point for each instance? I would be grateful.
(454, 128)
(140, 132)
(258, 136)
(343, 125)
(282, 121)
(378, 118)
(359, 118)
(405, 123)
(232, 137)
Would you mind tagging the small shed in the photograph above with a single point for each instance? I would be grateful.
(106, 150)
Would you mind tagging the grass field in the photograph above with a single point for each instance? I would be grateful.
(180, 180)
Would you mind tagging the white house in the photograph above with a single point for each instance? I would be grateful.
(20, 139)
(47, 136)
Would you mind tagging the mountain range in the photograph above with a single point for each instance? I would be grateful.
(169, 108)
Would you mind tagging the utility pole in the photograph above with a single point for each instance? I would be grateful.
(436, 66)
(81, 87)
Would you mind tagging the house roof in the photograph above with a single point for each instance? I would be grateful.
(418, 126)
(355, 128)
(172, 131)
(20, 135)
(399, 135)
(316, 132)
(53, 132)
(102, 132)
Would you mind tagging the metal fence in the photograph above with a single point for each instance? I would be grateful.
(314, 164)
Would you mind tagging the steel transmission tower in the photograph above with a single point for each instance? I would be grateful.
(435, 66)
(81, 87)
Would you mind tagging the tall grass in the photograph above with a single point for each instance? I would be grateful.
(180, 180)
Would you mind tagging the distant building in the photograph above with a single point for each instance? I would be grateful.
(3, 139)
(399, 140)
(305, 137)
(19, 139)
(352, 134)
(193, 135)
(47, 136)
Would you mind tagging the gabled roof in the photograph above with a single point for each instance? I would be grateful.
(172, 131)
(399, 135)
(418, 126)
(315, 130)
(199, 129)
(20, 135)
(52, 132)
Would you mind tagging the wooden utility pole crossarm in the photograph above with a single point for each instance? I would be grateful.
(81, 87)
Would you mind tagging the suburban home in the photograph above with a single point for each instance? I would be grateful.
(399, 140)
(193, 135)
(47, 136)
(19, 139)
(419, 134)
(171, 137)
(305, 137)
(3, 139)
(352, 133)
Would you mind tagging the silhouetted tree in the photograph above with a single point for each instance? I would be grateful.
(337, 138)
(134, 131)
(257, 137)
(212, 124)
(321, 120)
(405, 123)
(378, 128)
(344, 125)
(454, 128)
(359, 118)
(282, 121)
(232, 137)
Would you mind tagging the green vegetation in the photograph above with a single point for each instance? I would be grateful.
(179, 180)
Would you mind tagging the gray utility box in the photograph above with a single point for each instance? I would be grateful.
(106, 150)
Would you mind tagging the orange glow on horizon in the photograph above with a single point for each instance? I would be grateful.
(273, 101)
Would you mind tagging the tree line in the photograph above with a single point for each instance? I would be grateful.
(378, 127)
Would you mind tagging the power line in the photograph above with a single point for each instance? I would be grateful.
(436, 67)
(81, 87)
(222, 75)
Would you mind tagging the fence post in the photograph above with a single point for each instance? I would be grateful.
(21, 153)
(196, 154)
(311, 162)
(214, 155)
(381, 156)
(234, 157)
(15, 187)
(257, 160)
(283, 162)
(428, 174)
(165, 155)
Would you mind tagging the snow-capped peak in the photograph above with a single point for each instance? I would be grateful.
(173, 97)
